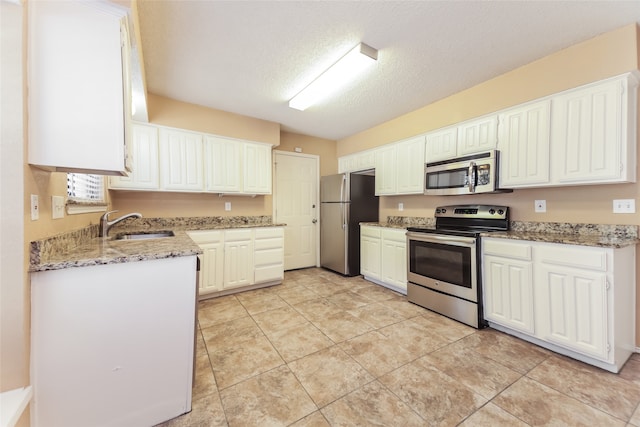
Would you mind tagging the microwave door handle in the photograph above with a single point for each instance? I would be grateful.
(472, 177)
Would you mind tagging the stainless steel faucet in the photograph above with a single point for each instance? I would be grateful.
(105, 224)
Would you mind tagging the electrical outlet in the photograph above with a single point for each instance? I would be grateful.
(540, 206)
(227, 206)
(624, 206)
(400, 206)
(35, 207)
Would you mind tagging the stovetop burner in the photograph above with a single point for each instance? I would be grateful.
(468, 220)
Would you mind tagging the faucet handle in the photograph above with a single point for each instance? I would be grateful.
(105, 216)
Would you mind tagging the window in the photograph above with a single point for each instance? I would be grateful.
(85, 193)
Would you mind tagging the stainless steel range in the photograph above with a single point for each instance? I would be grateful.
(444, 262)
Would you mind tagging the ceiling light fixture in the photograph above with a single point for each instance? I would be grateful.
(347, 67)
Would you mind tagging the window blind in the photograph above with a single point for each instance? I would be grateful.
(85, 187)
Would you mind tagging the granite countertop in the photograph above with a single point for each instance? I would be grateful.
(81, 248)
(601, 235)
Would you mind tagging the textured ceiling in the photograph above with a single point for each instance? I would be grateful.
(251, 57)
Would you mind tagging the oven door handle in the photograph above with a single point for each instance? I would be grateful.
(424, 237)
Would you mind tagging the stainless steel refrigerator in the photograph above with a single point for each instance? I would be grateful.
(346, 200)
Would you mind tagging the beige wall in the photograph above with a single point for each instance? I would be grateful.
(605, 56)
(324, 148)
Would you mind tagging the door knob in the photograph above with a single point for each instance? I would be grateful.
(314, 220)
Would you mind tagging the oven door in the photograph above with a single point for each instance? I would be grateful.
(443, 263)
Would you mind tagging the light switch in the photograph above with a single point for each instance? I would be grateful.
(227, 206)
(400, 206)
(57, 207)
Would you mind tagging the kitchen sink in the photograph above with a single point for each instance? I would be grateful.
(144, 235)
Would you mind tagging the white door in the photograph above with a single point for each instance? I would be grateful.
(296, 204)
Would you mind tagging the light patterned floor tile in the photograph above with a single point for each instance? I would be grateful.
(376, 353)
(491, 415)
(278, 319)
(299, 341)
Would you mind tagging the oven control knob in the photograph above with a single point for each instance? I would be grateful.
(492, 211)
(443, 210)
(500, 211)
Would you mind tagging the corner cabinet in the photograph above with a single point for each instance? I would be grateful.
(79, 93)
(383, 256)
(576, 300)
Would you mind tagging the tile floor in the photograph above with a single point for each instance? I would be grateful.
(325, 350)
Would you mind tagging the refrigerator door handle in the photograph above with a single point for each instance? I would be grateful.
(342, 211)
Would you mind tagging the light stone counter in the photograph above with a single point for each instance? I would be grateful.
(84, 248)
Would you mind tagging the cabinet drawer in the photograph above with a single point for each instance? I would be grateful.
(261, 244)
(268, 233)
(238, 235)
(507, 248)
(269, 257)
(206, 236)
(574, 256)
(369, 231)
(394, 234)
(267, 274)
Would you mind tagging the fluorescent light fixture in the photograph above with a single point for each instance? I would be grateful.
(347, 67)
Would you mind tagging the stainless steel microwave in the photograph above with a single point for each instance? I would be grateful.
(473, 174)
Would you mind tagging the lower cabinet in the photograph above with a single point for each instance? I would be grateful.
(383, 256)
(576, 300)
(237, 259)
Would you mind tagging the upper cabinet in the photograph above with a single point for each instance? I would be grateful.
(169, 159)
(79, 94)
(145, 173)
(593, 133)
(181, 160)
(400, 167)
(465, 138)
(360, 161)
(524, 145)
(581, 136)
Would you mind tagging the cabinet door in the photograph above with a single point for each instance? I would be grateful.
(181, 165)
(144, 173)
(370, 251)
(394, 258)
(386, 170)
(223, 165)
(257, 168)
(238, 258)
(508, 292)
(572, 308)
(410, 166)
(76, 86)
(478, 135)
(524, 145)
(211, 270)
(588, 136)
(441, 144)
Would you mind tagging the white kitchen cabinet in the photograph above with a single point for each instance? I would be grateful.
(113, 344)
(223, 164)
(442, 144)
(383, 256)
(144, 173)
(370, 252)
(478, 135)
(238, 258)
(394, 258)
(78, 87)
(410, 166)
(360, 161)
(508, 283)
(583, 298)
(594, 133)
(181, 160)
(524, 145)
(386, 170)
(257, 167)
(211, 260)
(268, 255)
